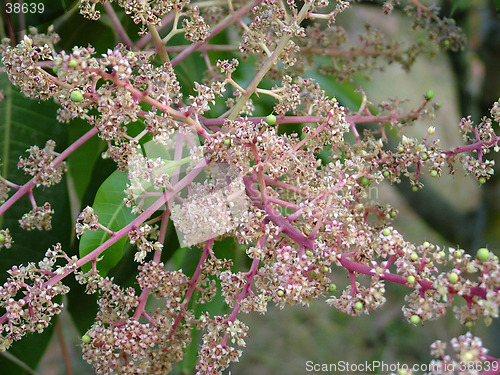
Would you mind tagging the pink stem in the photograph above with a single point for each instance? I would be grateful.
(93, 255)
(192, 285)
(164, 22)
(218, 28)
(250, 275)
(118, 25)
(27, 187)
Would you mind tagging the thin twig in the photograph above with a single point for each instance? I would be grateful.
(217, 29)
(118, 25)
(64, 348)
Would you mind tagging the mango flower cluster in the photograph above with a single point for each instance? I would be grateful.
(295, 201)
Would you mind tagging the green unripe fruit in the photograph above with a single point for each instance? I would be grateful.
(426, 244)
(76, 96)
(429, 94)
(446, 43)
(271, 119)
(482, 254)
(411, 279)
(424, 156)
(386, 174)
(326, 269)
(258, 214)
(458, 254)
(402, 371)
(414, 256)
(359, 305)
(332, 288)
(394, 213)
(400, 149)
(414, 188)
(281, 293)
(452, 277)
(2, 237)
(386, 232)
(55, 68)
(469, 324)
(39, 326)
(482, 180)
(86, 339)
(442, 254)
(269, 298)
(365, 181)
(415, 319)
(227, 142)
(434, 173)
(308, 253)
(73, 63)
(130, 54)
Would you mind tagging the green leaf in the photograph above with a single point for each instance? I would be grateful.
(81, 306)
(153, 150)
(460, 4)
(81, 162)
(114, 215)
(79, 31)
(497, 7)
(23, 123)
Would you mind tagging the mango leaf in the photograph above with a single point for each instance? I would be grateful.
(81, 306)
(154, 150)
(81, 162)
(114, 215)
(460, 5)
(24, 123)
(79, 31)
